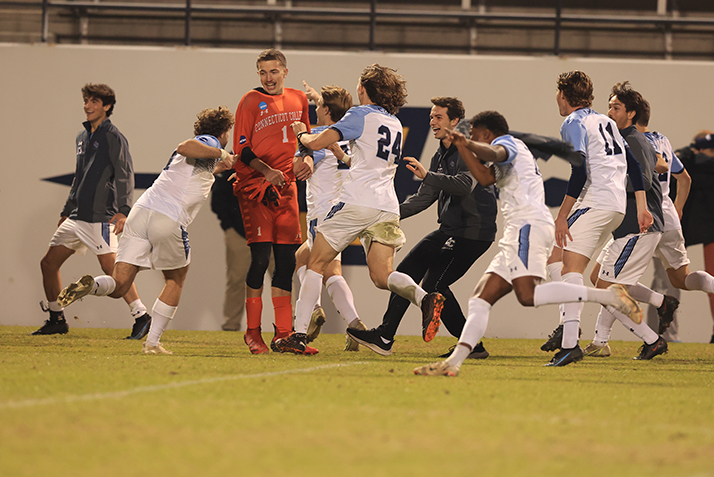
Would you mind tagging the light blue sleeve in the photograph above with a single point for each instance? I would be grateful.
(506, 141)
(209, 140)
(317, 156)
(676, 167)
(574, 132)
(352, 123)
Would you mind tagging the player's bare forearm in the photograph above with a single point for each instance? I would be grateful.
(684, 185)
(274, 176)
(644, 217)
(195, 149)
(484, 175)
(314, 141)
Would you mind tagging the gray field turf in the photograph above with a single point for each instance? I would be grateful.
(89, 404)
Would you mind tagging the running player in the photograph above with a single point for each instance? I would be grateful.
(155, 234)
(267, 192)
(368, 207)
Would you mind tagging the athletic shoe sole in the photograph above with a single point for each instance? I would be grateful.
(75, 291)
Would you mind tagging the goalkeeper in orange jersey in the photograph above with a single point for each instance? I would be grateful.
(265, 185)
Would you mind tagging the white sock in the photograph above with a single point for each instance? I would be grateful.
(554, 271)
(137, 308)
(644, 332)
(699, 280)
(572, 312)
(403, 285)
(603, 327)
(474, 329)
(308, 298)
(561, 292)
(53, 306)
(103, 285)
(645, 295)
(301, 273)
(161, 315)
(341, 296)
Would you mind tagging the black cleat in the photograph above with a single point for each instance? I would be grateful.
(140, 328)
(666, 312)
(479, 352)
(371, 339)
(295, 343)
(56, 325)
(566, 356)
(649, 351)
(555, 339)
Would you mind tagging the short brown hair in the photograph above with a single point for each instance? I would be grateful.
(491, 120)
(101, 92)
(213, 122)
(631, 99)
(384, 87)
(577, 87)
(454, 107)
(269, 55)
(337, 100)
(644, 119)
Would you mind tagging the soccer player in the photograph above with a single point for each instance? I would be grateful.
(495, 157)
(595, 201)
(467, 216)
(267, 192)
(155, 234)
(99, 201)
(368, 207)
(329, 170)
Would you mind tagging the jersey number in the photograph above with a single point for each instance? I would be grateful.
(285, 134)
(608, 149)
(385, 141)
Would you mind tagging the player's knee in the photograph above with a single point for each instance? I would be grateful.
(283, 277)
(524, 295)
(379, 278)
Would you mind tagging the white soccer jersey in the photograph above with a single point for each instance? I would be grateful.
(325, 183)
(376, 141)
(597, 137)
(664, 148)
(520, 184)
(183, 185)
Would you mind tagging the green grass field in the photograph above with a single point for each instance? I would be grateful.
(89, 404)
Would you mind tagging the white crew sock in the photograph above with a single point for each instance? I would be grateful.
(603, 327)
(474, 329)
(644, 332)
(53, 306)
(103, 285)
(403, 285)
(161, 315)
(699, 280)
(645, 295)
(554, 271)
(341, 296)
(137, 308)
(308, 298)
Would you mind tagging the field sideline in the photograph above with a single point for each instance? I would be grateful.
(88, 404)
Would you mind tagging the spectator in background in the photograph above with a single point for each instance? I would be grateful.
(697, 225)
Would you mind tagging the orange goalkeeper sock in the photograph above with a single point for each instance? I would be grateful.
(253, 312)
(283, 314)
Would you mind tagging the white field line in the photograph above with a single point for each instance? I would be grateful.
(161, 387)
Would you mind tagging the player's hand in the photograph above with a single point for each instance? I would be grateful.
(118, 220)
(298, 127)
(416, 167)
(275, 177)
(312, 94)
(64, 217)
(232, 177)
(303, 168)
(562, 233)
(644, 218)
(457, 139)
(336, 150)
(225, 164)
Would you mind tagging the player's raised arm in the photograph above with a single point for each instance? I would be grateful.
(483, 174)
(314, 141)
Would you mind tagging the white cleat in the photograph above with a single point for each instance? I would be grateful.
(75, 291)
(625, 304)
(442, 368)
(596, 350)
(158, 349)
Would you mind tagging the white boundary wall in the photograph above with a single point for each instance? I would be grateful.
(160, 90)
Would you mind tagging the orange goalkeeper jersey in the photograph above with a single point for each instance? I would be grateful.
(263, 125)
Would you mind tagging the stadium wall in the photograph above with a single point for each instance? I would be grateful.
(159, 92)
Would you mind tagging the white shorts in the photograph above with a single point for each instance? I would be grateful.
(312, 231)
(346, 222)
(79, 236)
(591, 229)
(153, 240)
(524, 251)
(671, 250)
(625, 260)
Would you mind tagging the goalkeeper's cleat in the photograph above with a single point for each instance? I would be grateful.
(625, 304)
(75, 291)
(316, 321)
(666, 312)
(597, 350)
(254, 340)
(140, 328)
(295, 343)
(157, 349)
(442, 368)
(276, 336)
(372, 340)
(649, 351)
(431, 306)
(566, 356)
(56, 325)
(555, 339)
(350, 344)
